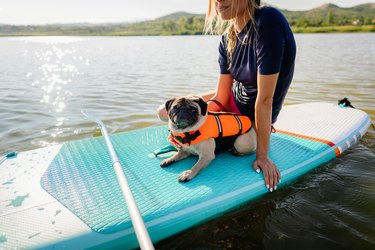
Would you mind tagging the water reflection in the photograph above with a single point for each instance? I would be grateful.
(58, 63)
(55, 74)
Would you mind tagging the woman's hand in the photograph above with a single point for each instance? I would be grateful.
(271, 173)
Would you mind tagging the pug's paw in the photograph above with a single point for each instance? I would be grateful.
(167, 162)
(186, 176)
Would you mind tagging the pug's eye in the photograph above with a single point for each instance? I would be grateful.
(193, 110)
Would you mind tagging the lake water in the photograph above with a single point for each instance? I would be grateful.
(46, 81)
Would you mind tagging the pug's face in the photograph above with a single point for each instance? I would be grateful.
(185, 112)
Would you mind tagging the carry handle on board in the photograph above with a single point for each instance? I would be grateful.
(135, 216)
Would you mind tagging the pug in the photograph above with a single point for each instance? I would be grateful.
(187, 118)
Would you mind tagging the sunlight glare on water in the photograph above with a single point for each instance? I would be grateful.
(56, 64)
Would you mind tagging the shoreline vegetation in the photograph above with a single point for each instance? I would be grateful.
(328, 18)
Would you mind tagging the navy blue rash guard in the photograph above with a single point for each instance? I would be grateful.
(268, 49)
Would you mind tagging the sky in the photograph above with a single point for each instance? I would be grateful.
(104, 11)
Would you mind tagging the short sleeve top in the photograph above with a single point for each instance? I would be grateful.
(268, 49)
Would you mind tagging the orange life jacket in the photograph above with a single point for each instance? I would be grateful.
(217, 125)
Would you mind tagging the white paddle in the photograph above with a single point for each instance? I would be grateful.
(138, 224)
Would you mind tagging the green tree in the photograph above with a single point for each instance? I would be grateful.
(198, 24)
(182, 23)
(330, 20)
(169, 26)
(302, 23)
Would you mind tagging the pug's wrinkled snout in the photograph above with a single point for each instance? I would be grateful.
(185, 116)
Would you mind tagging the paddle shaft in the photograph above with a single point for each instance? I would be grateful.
(2, 159)
(136, 218)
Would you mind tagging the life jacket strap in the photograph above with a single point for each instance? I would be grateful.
(239, 124)
(219, 125)
(189, 137)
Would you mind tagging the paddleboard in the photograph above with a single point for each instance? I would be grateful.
(67, 196)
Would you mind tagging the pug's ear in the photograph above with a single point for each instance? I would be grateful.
(168, 104)
(202, 104)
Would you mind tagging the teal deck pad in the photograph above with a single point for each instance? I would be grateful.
(81, 177)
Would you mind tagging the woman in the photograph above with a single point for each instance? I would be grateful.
(256, 59)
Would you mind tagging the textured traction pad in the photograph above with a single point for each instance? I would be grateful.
(82, 179)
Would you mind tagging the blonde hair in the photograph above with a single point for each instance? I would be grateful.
(214, 25)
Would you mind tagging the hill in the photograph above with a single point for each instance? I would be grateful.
(177, 15)
(330, 14)
(325, 18)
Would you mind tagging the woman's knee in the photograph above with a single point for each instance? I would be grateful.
(161, 112)
(246, 143)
